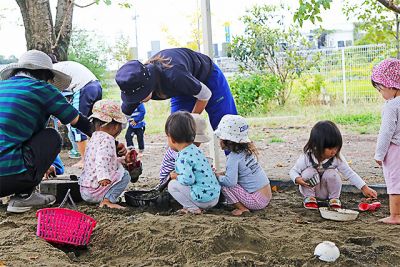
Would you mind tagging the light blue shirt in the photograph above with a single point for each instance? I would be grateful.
(244, 169)
(194, 170)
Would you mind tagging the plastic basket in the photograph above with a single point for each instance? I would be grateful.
(64, 226)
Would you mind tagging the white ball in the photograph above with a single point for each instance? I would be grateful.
(327, 251)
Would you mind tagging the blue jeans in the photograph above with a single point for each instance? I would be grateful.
(117, 189)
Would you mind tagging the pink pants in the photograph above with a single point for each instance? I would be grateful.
(391, 170)
(252, 201)
(329, 187)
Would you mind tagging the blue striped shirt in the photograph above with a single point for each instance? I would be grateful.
(168, 164)
(26, 105)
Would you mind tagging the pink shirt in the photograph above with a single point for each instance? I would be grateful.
(101, 162)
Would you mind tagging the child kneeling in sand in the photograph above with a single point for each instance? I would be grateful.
(193, 184)
(317, 171)
(104, 178)
(244, 184)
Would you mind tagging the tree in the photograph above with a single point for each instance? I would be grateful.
(40, 31)
(267, 46)
(379, 18)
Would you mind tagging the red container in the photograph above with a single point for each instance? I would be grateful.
(64, 226)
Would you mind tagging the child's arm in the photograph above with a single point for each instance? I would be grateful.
(297, 169)
(388, 127)
(354, 178)
(184, 171)
(232, 171)
(167, 165)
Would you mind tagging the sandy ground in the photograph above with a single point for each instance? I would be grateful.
(284, 234)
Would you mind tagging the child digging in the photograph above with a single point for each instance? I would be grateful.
(244, 184)
(386, 79)
(317, 170)
(193, 184)
(104, 178)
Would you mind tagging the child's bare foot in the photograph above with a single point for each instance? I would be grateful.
(182, 211)
(390, 220)
(109, 204)
(239, 212)
(196, 212)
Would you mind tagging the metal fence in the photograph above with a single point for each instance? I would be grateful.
(346, 71)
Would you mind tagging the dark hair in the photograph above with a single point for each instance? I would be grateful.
(181, 127)
(324, 134)
(41, 74)
(374, 84)
(248, 148)
(96, 123)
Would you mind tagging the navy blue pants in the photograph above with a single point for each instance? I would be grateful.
(220, 103)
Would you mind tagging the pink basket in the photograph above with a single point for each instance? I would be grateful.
(64, 226)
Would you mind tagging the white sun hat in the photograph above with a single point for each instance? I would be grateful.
(233, 128)
(37, 60)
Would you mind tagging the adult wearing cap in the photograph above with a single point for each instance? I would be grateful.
(191, 79)
(86, 90)
(27, 147)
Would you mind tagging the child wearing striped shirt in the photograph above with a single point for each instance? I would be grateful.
(168, 163)
(386, 79)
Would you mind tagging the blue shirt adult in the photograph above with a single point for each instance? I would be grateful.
(194, 170)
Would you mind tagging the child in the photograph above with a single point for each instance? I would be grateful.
(168, 163)
(244, 184)
(317, 170)
(136, 126)
(386, 78)
(104, 178)
(193, 184)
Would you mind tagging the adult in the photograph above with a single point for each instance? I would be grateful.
(191, 79)
(27, 147)
(86, 90)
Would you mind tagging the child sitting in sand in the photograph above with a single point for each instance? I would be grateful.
(385, 77)
(318, 169)
(168, 163)
(244, 184)
(193, 183)
(104, 178)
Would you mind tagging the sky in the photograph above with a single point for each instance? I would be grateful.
(111, 22)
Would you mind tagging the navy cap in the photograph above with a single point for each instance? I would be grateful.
(136, 81)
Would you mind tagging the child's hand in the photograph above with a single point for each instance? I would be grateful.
(369, 192)
(379, 162)
(51, 172)
(218, 174)
(173, 175)
(104, 182)
(300, 181)
(132, 122)
(121, 149)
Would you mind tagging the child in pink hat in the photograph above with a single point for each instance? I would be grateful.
(386, 79)
(104, 178)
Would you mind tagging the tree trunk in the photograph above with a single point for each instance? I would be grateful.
(38, 24)
(63, 28)
(41, 33)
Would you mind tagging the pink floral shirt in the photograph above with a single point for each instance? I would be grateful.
(101, 162)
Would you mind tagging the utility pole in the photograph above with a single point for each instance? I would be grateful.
(135, 17)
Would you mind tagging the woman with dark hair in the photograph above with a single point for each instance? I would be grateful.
(191, 79)
(318, 169)
(29, 95)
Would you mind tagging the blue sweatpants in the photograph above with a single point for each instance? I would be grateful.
(220, 103)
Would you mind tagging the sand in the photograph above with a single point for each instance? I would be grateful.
(284, 234)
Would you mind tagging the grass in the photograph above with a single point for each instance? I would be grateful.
(275, 139)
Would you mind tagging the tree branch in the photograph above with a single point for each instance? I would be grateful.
(390, 5)
(62, 26)
(75, 4)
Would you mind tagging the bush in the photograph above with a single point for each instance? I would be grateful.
(254, 93)
(311, 88)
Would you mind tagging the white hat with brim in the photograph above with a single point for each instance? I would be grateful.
(37, 60)
(233, 128)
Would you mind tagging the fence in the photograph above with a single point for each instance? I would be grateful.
(346, 71)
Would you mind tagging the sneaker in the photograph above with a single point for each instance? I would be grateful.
(19, 205)
(73, 154)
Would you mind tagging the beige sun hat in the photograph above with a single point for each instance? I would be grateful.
(37, 60)
(107, 110)
(201, 129)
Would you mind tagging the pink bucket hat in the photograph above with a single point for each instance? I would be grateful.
(107, 110)
(387, 73)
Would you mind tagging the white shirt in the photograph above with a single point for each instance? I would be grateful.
(339, 164)
(80, 74)
(390, 128)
